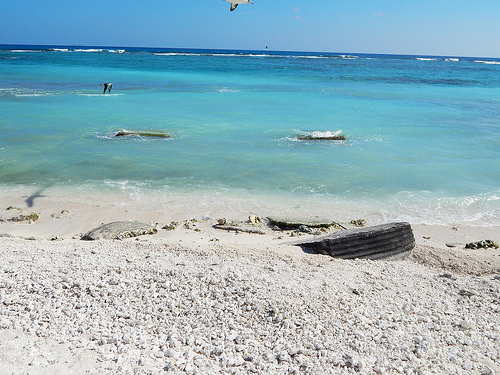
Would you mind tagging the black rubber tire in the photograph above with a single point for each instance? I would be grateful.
(386, 241)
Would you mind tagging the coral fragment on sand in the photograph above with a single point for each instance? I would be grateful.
(359, 222)
(485, 244)
(32, 217)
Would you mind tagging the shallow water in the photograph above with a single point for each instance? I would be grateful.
(423, 139)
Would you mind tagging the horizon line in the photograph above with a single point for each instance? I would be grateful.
(232, 49)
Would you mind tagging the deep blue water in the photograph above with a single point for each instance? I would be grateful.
(422, 132)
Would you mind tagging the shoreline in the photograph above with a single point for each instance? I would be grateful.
(69, 214)
(198, 300)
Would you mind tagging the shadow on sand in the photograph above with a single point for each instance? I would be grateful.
(30, 201)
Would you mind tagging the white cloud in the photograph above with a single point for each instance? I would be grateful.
(297, 10)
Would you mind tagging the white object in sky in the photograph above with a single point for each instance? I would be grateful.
(234, 3)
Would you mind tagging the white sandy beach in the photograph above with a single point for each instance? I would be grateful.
(199, 300)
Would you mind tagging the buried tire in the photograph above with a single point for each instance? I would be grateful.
(386, 241)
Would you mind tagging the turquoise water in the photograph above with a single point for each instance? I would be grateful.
(423, 133)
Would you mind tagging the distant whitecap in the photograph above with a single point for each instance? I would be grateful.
(100, 95)
(310, 57)
(23, 92)
(176, 54)
(225, 90)
(487, 62)
(89, 50)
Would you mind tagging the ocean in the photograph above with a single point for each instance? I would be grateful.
(422, 132)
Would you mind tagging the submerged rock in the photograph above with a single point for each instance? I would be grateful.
(143, 133)
(337, 137)
(118, 230)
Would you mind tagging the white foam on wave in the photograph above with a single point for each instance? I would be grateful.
(177, 54)
(103, 135)
(310, 57)
(425, 59)
(22, 92)
(371, 138)
(452, 59)
(89, 50)
(23, 50)
(226, 90)
(432, 209)
(226, 55)
(487, 62)
(193, 54)
(32, 95)
(212, 54)
(419, 207)
(101, 94)
(321, 134)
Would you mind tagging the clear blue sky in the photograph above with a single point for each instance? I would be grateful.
(422, 27)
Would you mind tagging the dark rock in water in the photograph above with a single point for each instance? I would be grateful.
(386, 241)
(285, 224)
(118, 230)
(143, 133)
(338, 137)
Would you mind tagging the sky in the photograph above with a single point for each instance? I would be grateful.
(416, 27)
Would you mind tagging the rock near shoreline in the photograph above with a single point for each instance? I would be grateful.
(118, 230)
